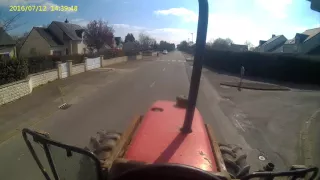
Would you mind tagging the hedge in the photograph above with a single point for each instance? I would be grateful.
(112, 53)
(280, 67)
(13, 70)
(42, 63)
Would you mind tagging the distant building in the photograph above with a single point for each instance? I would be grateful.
(307, 42)
(7, 44)
(272, 44)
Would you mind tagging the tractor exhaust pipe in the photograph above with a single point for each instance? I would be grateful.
(197, 65)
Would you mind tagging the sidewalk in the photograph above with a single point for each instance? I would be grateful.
(271, 121)
(45, 100)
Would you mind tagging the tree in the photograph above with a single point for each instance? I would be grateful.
(222, 44)
(9, 22)
(164, 45)
(118, 40)
(146, 41)
(250, 45)
(98, 34)
(129, 38)
(19, 41)
(184, 46)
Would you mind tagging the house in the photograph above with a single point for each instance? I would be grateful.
(238, 48)
(272, 44)
(59, 38)
(7, 45)
(307, 42)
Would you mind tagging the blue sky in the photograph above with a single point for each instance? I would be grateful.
(174, 20)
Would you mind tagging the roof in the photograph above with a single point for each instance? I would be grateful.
(72, 30)
(290, 41)
(49, 37)
(5, 38)
(271, 40)
(311, 33)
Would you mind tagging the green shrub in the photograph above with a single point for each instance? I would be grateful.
(112, 53)
(42, 63)
(132, 53)
(13, 70)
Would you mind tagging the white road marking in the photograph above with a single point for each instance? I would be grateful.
(163, 69)
(152, 84)
(238, 124)
(173, 60)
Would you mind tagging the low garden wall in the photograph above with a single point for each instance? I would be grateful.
(15, 90)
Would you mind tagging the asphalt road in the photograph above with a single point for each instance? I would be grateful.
(130, 90)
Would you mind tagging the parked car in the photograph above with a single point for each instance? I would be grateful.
(165, 52)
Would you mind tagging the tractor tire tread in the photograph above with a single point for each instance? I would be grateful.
(235, 160)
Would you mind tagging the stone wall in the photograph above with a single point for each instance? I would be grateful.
(12, 91)
(43, 78)
(78, 68)
(108, 62)
(139, 57)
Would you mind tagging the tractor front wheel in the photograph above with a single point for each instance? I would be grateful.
(235, 160)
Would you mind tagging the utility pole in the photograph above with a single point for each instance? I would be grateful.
(192, 37)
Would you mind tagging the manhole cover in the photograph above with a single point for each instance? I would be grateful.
(64, 106)
(262, 158)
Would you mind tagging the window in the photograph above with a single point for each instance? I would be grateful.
(33, 51)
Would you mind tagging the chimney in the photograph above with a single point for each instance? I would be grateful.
(273, 35)
(66, 21)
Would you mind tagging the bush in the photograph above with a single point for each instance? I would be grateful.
(42, 63)
(132, 53)
(112, 53)
(76, 58)
(13, 70)
(280, 67)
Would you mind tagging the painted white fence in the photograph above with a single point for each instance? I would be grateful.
(93, 63)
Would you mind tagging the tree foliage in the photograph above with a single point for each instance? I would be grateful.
(184, 46)
(164, 45)
(98, 34)
(129, 38)
(118, 40)
(250, 45)
(146, 41)
(221, 44)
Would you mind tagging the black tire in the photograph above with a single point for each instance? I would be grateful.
(102, 146)
(235, 160)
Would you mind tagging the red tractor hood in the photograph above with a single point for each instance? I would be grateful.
(158, 139)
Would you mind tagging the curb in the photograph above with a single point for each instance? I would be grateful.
(305, 141)
(256, 86)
